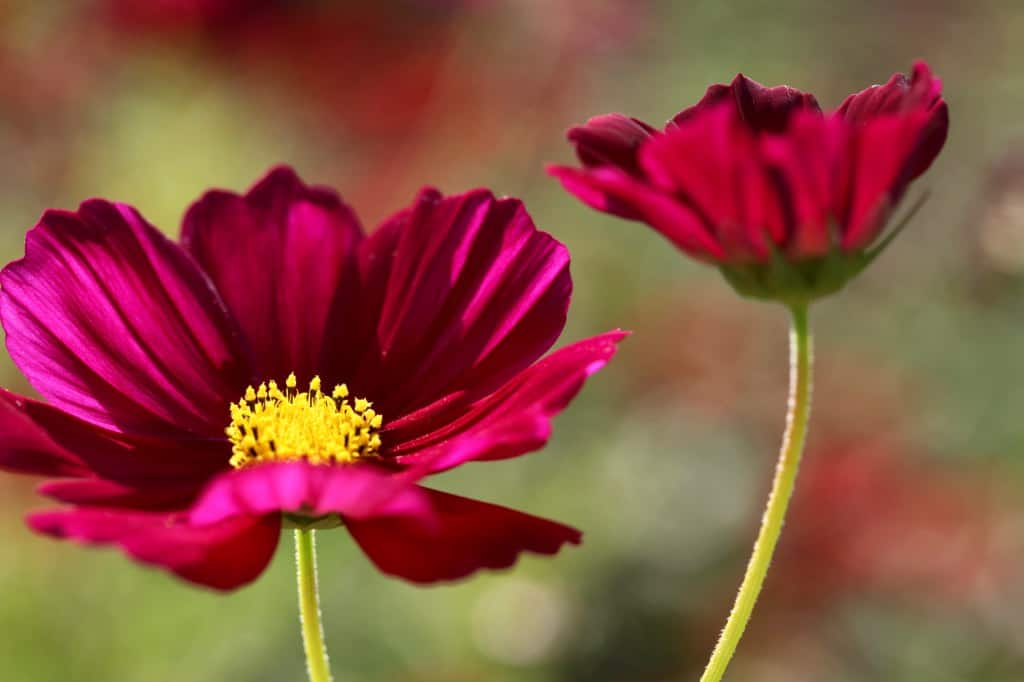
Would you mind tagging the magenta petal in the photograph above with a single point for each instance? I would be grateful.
(353, 491)
(496, 437)
(611, 140)
(468, 536)
(513, 420)
(223, 556)
(471, 293)
(613, 191)
(283, 258)
(116, 324)
(593, 189)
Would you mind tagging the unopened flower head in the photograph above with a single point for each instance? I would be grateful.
(788, 201)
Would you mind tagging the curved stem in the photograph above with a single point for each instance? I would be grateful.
(778, 500)
(309, 607)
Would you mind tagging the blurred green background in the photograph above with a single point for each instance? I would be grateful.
(903, 558)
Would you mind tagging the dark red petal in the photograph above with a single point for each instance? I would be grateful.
(470, 294)
(375, 261)
(354, 491)
(96, 492)
(927, 89)
(875, 100)
(39, 438)
(763, 110)
(27, 448)
(116, 324)
(283, 258)
(931, 140)
(513, 420)
(921, 93)
(803, 163)
(613, 191)
(468, 536)
(762, 208)
(876, 166)
(711, 164)
(223, 556)
(611, 140)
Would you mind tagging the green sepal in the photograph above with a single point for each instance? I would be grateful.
(303, 522)
(796, 282)
(800, 282)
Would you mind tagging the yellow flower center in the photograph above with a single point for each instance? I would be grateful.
(271, 425)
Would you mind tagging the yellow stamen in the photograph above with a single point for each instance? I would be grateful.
(271, 425)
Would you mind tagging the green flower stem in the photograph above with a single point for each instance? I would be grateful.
(309, 607)
(778, 500)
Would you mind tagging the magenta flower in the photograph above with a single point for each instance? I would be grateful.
(786, 199)
(282, 367)
(788, 202)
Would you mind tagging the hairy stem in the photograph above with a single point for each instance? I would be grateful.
(797, 415)
(309, 607)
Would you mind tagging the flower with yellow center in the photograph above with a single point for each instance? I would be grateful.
(271, 425)
(144, 347)
(141, 345)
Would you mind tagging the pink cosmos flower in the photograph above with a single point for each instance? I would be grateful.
(758, 180)
(280, 366)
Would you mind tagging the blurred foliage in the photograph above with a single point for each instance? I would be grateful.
(663, 461)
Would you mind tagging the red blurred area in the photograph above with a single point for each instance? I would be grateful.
(388, 86)
(874, 516)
